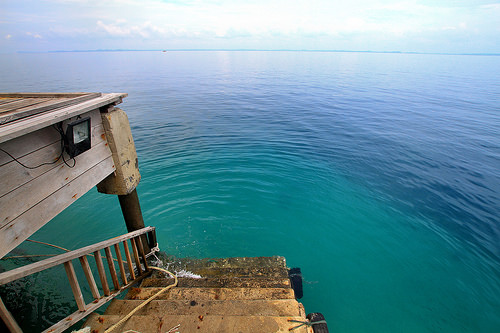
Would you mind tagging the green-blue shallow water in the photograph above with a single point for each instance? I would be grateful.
(377, 174)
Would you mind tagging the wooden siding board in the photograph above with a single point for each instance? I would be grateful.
(26, 144)
(16, 175)
(29, 143)
(16, 202)
(21, 127)
(34, 218)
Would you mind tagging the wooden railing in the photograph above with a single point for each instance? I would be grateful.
(136, 239)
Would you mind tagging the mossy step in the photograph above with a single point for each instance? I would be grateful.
(202, 294)
(192, 323)
(219, 282)
(281, 307)
(222, 272)
(190, 264)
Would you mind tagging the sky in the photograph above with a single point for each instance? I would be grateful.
(436, 26)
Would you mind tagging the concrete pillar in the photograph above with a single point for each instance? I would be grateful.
(124, 180)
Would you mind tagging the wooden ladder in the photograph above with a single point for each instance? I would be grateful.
(137, 239)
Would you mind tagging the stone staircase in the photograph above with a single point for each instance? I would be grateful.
(228, 295)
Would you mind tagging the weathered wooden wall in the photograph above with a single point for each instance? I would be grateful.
(29, 198)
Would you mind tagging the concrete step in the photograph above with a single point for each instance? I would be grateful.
(193, 323)
(277, 308)
(190, 264)
(201, 294)
(223, 282)
(230, 272)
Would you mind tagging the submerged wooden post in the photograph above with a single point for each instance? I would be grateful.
(124, 180)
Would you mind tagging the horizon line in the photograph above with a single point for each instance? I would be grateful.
(265, 50)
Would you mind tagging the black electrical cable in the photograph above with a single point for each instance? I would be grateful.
(63, 140)
(61, 132)
(69, 166)
(28, 167)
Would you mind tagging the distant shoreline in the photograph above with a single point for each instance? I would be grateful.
(260, 50)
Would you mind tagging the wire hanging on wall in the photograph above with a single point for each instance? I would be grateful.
(58, 128)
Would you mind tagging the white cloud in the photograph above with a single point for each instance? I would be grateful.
(258, 23)
(121, 29)
(146, 30)
(492, 6)
(34, 35)
(261, 18)
(8, 36)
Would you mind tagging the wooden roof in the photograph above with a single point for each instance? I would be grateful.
(21, 113)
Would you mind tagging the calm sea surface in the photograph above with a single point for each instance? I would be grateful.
(377, 174)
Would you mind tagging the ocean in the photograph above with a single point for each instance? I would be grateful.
(377, 174)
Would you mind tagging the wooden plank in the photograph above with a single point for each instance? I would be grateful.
(33, 219)
(120, 264)
(45, 94)
(51, 104)
(141, 251)
(90, 277)
(129, 260)
(75, 287)
(8, 100)
(20, 272)
(16, 175)
(21, 127)
(77, 316)
(19, 104)
(136, 256)
(23, 111)
(112, 269)
(31, 142)
(9, 321)
(24, 197)
(44, 103)
(102, 273)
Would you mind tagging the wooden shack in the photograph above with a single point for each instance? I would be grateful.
(44, 168)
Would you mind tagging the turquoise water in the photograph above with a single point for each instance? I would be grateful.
(377, 174)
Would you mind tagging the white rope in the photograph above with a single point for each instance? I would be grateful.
(131, 313)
